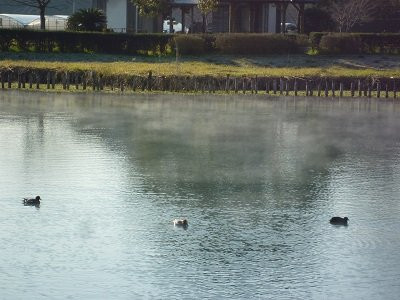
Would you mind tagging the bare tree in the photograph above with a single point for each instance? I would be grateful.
(41, 5)
(349, 13)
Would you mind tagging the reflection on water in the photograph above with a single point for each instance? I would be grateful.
(258, 181)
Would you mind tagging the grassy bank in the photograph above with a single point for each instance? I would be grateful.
(300, 66)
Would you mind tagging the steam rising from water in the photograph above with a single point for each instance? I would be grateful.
(258, 180)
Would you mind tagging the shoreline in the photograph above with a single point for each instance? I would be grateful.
(345, 94)
(308, 75)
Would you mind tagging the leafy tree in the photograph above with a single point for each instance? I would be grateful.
(41, 5)
(152, 7)
(206, 7)
(87, 20)
(318, 20)
(155, 7)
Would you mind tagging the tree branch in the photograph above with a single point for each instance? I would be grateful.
(33, 3)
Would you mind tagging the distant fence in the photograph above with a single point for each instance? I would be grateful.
(90, 80)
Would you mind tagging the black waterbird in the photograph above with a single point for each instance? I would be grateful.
(32, 201)
(339, 221)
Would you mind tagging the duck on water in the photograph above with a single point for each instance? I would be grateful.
(181, 223)
(339, 221)
(32, 201)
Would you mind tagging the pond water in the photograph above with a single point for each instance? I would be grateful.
(257, 179)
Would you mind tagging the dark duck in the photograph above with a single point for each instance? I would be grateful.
(339, 221)
(32, 201)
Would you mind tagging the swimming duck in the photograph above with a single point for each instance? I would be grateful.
(180, 222)
(33, 201)
(339, 221)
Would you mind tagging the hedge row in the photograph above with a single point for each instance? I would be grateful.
(355, 43)
(237, 43)
(241, 43)
(67, 41)
(323, 42)
(117, 43)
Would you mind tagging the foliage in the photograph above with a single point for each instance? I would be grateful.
(6, 39)
(257, 44)
(341, 43)
(87, 20)
(190, 44)
(317, 19)
(315, 39)
(207, 6)
(78, 42)
(24, 40)
(367, 43)
(151, 7)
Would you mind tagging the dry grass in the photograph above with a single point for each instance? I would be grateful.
(301, 66)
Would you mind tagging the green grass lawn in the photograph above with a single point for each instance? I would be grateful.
(302, 66)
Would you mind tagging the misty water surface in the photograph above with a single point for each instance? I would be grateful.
(257, 179)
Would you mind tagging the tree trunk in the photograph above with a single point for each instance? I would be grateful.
(232, 17)
(171, 22)
(283, 17)
(42, 18)
(204, 23)
(300, 22)
(183, 11)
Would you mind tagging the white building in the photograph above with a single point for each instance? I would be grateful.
(15, 21)
(231, 16)
(52, 23)
(122, 16)
(32, 21)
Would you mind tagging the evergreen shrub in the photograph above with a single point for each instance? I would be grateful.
(339, 43)
(249, 43)
(190, 44)
(351, 43)
(92, 42)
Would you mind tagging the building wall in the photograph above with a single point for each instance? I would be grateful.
(271, 28)
(131, 15)
(291, 14)
(116, 15)
(121, 16)
(100, 4)
(264, 17)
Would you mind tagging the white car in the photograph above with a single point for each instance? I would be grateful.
(176, 25)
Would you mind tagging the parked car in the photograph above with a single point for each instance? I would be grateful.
(290, 28)
(176, 26)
